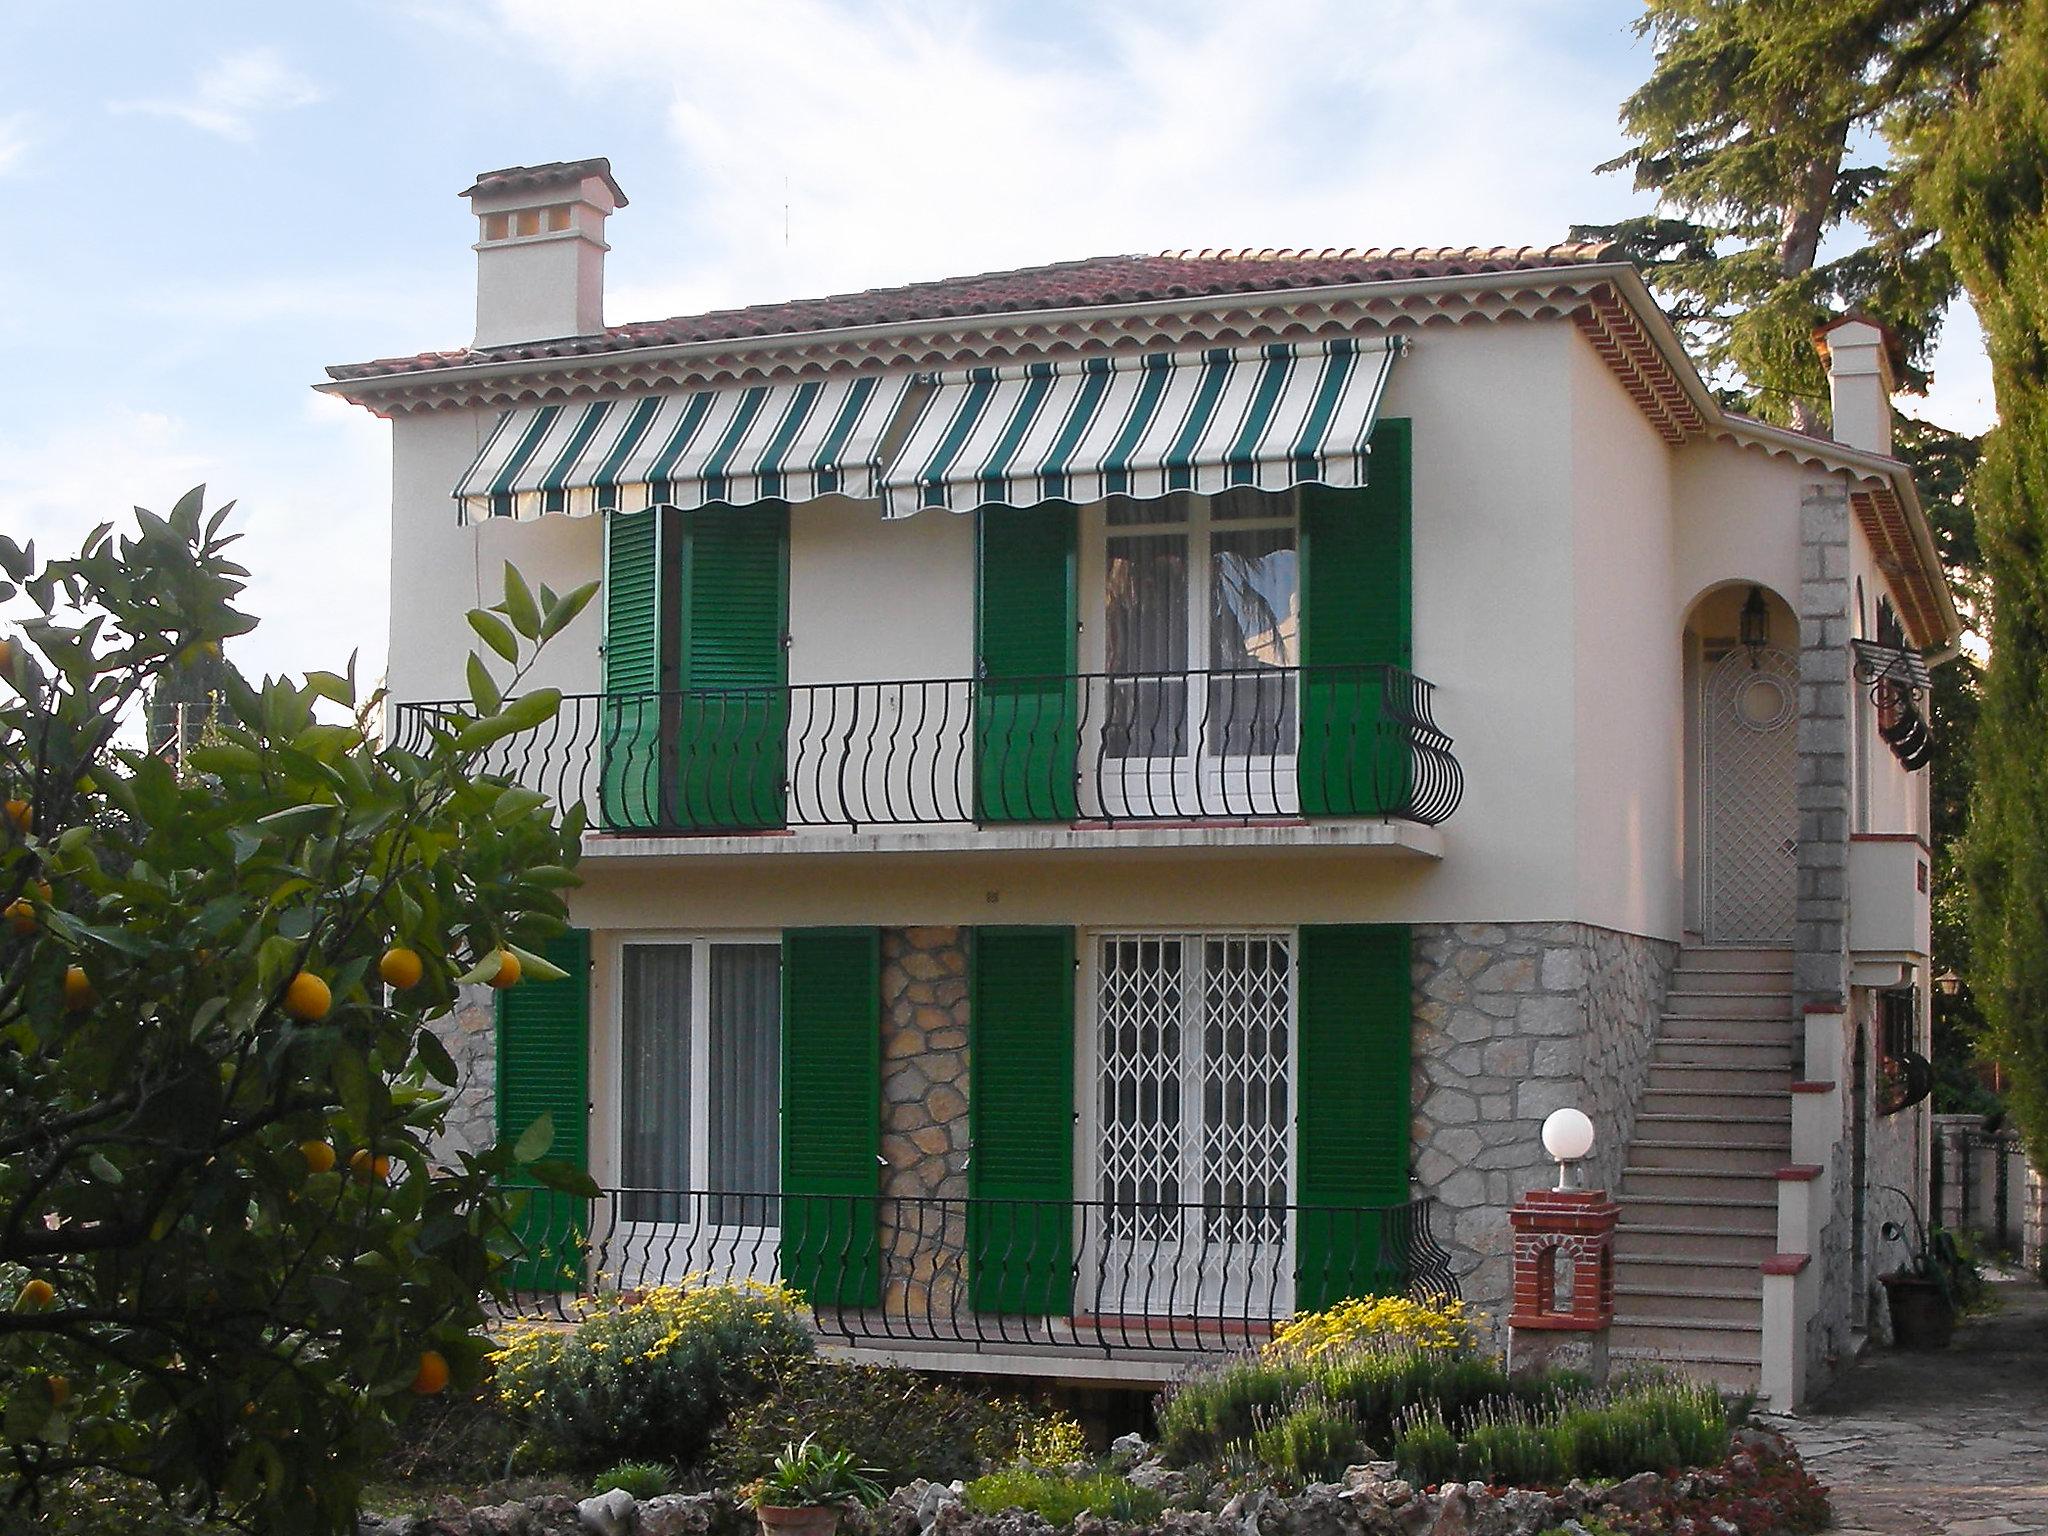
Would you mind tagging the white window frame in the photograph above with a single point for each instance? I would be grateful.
(644, 1242)
(1091, 1216)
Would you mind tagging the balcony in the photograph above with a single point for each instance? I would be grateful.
(1023, 1280)
(1095, 750)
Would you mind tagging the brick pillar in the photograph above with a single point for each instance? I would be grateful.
(1562, 1237)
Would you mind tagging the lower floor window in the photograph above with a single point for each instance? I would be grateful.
(1193, 1051)
(700, 1053)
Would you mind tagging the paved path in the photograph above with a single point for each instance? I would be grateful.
(1946, 1443)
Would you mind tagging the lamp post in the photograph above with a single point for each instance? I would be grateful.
(1567, 1137)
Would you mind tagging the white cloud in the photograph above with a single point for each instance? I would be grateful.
(823, 145)
(228, 95)
(15, 140)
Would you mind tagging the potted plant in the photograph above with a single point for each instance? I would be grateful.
(805, 1491)
(1922, 1295)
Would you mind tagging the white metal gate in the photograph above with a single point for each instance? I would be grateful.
(1749, 758)
(1191, 1115)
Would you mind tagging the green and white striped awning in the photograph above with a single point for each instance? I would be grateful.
(1078, 430)
(785, 442)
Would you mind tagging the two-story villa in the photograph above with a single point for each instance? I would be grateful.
(1123, 792)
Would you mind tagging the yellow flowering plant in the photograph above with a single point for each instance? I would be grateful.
(1375, 1322)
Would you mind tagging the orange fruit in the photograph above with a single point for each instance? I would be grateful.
(35, 1295)
(60, 1390)
(78, 992)
(508, 969)
(401, 967)
(307, 998)
(319, 1155)
(21, 917)
(6, 654)
(433, 1373)
(367, 1165)
(21, 813)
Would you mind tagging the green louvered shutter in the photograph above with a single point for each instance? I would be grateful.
(735, 710)
(1026, 729)
(1354, 1025)
(831, 1113)
(632, 755)
(1356, 610)
(1020, 1104)
(543, 1069)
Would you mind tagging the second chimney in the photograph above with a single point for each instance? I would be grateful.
(1860, 381)
(540, 251)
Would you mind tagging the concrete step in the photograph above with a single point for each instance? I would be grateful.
(1686, 1184)
(1653, 1154)
(1688, 1303)
(1639, 1237)
(1735, 1214)
(1722, 1076)
(1715, 1051)
(1783, 1032)
(1693, 1338)
(1715, 1272)
(1761, 983)
(1700, 1120)
(1727, 1103)
(1701, 957)
(1643, 1351)
(1721, 1003)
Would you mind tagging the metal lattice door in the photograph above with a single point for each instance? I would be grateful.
(1749, 711)
(1193, 1038)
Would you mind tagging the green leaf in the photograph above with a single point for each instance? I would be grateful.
(566, 1177)
(519, 604)
(483, 691)
(495, 633)
(485, 968)
(533, 967)
(103, 1170)
(535, 708)
(534, 1141)
(433, 1055)
(297, 818)
(562, 613)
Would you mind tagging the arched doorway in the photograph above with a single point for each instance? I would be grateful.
(1743, 666)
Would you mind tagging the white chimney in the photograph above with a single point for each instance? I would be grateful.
(1860, 382)
(540, 251)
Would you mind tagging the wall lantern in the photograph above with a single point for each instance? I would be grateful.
(1755, 625)
(1567, 1137)
(1948, 984)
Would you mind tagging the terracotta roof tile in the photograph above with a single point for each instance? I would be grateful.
(556, 173)
(1100, 280)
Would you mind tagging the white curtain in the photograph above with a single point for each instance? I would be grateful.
(655, 1115)
(743, 1091)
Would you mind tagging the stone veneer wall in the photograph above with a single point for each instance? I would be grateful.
(923, 1234)
(469, 1033)
(1512, 1021)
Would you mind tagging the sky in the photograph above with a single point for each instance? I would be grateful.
(206, 204)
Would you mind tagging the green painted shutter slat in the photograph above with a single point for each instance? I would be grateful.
(1356, 612)
(831, 1113)
(1020, 1104)
(1354, 1028)
(632, 772)
(543, 1030)
(735, 710)
(1026, 725)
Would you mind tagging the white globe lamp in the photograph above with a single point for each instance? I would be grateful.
(1567, 1137)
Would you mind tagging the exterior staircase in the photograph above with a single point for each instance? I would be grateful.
(1699, 1193)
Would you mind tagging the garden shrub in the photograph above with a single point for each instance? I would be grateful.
(642, 1479)
(1059, 1497)
(1314, 1441)
(898, 1422)
(1374, 1322)
(648, 1375)
(1648, 1425)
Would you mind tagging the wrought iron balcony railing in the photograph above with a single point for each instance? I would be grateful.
(1272, 743)
(1072, 1274)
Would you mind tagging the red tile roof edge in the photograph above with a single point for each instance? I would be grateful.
(1093, 282)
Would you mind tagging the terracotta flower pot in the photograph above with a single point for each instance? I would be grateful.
(1922, 1315)
(798, 1520)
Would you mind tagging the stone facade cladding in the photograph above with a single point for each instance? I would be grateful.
(1512, 1021)
(469, 1034)
(923, 1230)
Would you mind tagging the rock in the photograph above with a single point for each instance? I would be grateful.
(1636, 1494)
(1128, 1450)
(933, 1498)
(1371, 1473)
(509, 1519)
(1521, 1512)
(555, 1514)
(1453, 1512)
(681, 1514)
(1161, 1479)
(608, 1514)
(1322, 1510)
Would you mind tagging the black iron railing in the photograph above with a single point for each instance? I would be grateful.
(1269, 743)
(986, 1274)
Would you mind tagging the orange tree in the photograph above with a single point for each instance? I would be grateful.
(227, 1262)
